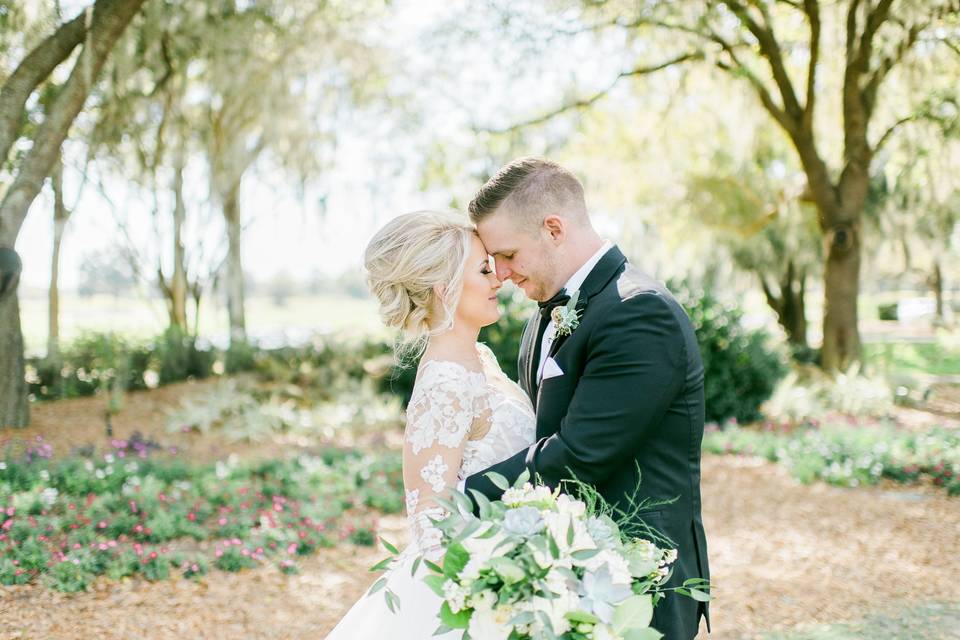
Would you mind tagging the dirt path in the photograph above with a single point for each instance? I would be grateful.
(782, 554)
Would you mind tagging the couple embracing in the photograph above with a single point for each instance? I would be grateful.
(610, 388)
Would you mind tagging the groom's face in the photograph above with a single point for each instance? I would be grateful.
(525, 257)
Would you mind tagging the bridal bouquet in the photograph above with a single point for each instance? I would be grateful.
(541, 564)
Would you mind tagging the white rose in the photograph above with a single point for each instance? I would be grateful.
(559, 525)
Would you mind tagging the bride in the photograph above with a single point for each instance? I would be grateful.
(433, 279)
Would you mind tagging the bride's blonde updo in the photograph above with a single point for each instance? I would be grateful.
(408, 261)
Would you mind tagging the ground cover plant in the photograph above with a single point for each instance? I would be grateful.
(847, 454)
(136, 511)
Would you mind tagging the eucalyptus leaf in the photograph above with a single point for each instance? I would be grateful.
(498, 480)
(633, 613)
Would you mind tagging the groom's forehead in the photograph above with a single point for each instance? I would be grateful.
(498, 235)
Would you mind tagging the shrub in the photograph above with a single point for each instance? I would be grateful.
(69, 576)
(741, 370)
(887, 311)
(97, 362)
(179, 358)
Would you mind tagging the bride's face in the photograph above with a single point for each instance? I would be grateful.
(478, 302)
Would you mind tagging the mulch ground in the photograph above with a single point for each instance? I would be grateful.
(782, 554)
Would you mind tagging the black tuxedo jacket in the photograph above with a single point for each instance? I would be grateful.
(630, 396)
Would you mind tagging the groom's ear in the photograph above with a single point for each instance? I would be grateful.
(556, 227)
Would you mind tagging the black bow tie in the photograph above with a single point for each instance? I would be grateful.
(547, 307)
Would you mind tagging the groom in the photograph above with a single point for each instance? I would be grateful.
(622, 390)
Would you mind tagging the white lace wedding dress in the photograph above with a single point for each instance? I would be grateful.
(458, 422)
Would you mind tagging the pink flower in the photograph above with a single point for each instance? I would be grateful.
(218, 553)
(102, 524)
(11, 511)
(292, 548)
(103, 546)
(222, 521)
(77, 545)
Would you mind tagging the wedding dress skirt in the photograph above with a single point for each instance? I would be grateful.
(448, 402)
(415, 619)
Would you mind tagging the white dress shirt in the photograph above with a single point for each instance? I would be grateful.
(574, 283)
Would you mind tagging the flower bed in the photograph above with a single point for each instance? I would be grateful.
(847, 455)
(131, 512)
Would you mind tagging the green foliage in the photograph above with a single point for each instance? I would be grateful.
(850, 456)
(179, 358)
(107, 362)
(887, 311)
(741, 369)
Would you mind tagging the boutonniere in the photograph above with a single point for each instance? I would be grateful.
(566, 318)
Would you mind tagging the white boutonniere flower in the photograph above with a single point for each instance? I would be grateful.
(566, 318)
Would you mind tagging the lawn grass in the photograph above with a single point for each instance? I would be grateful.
(933, 358)
(142, 318)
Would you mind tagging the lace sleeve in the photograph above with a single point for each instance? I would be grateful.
(439, 418)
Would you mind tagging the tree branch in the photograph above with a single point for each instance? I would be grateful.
(32, 70)
(110, 19)
(588, 101)
(812, 9)
(770, 49)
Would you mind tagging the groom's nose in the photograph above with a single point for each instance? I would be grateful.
(503, 272)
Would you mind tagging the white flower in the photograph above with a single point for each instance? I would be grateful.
(108, 458)
(483, 601)
(527, 494)
(88, 466)
(433, 473)
(483, 548)
(471, 570)
(616, 564)
(491, 624)
(556, 609)
(49, 496)
(3, 465)
(100, 474)
(605, 632)
(559, 525)
(45, 475)
(455, 595)
(570, 506)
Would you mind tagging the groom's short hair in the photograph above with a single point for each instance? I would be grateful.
(531, 189)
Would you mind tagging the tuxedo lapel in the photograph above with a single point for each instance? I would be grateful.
(605, 270)
(602, 273)
(527, 349)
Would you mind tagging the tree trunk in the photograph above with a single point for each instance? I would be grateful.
(793, 317)
(841, 336)
(109, 19)
(14, 408)
(936, 283)
(235, 297)
(60, 216)
(178, 287)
